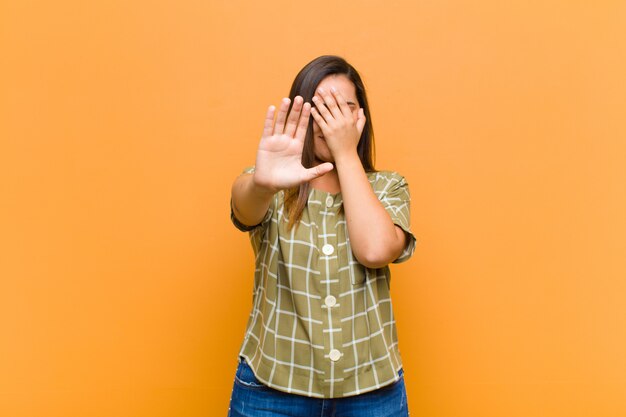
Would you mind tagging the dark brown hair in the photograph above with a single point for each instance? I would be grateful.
(305, 85)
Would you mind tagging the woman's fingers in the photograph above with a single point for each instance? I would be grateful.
(279, 126)
(294, 117)
(341, 102)
(330, 102)
(303, 123)
(321, 109)
(317, 171)
(318, 118)
(360, 120)
(268, 127)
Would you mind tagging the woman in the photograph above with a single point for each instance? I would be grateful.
(321, 338)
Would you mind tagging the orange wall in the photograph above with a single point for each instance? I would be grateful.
(124, 289)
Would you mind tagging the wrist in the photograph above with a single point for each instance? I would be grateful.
(261, 189)
(346, 157)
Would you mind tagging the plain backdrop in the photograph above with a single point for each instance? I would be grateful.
(125, 290)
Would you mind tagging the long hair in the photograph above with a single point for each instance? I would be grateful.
(305, 85)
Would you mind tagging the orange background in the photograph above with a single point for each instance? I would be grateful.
(124, 289)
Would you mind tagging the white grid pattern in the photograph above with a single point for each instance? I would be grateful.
(291, 331)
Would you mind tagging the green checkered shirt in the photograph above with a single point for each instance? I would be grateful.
(322, 324)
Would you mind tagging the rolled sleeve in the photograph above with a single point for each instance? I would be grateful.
(245, 228)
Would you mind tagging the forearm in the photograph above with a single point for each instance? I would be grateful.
(250, 202)
(375, 239)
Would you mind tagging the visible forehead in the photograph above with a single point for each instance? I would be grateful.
(341, 83)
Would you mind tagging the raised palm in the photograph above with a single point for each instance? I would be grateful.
(279, 157)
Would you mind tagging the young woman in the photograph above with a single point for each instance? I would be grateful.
(321, 339)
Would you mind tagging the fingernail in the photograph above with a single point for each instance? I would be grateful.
(321, 90)
(333, 89)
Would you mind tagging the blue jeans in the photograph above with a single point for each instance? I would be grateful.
(250, 398)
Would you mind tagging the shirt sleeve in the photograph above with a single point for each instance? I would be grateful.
(396, 199)
(241, 226)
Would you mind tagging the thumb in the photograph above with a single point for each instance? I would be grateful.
(317, 171)
(360, 120)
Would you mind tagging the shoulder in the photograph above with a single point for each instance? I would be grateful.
(385, 180)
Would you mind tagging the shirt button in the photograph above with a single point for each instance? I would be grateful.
(334, 355)
(330, 301)
(328, 249)
(329, 201)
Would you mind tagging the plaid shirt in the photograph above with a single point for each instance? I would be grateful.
(322, 324)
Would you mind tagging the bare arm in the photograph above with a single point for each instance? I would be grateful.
(375, 239)
(249, 201)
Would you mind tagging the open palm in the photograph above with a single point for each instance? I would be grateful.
(279, 157)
